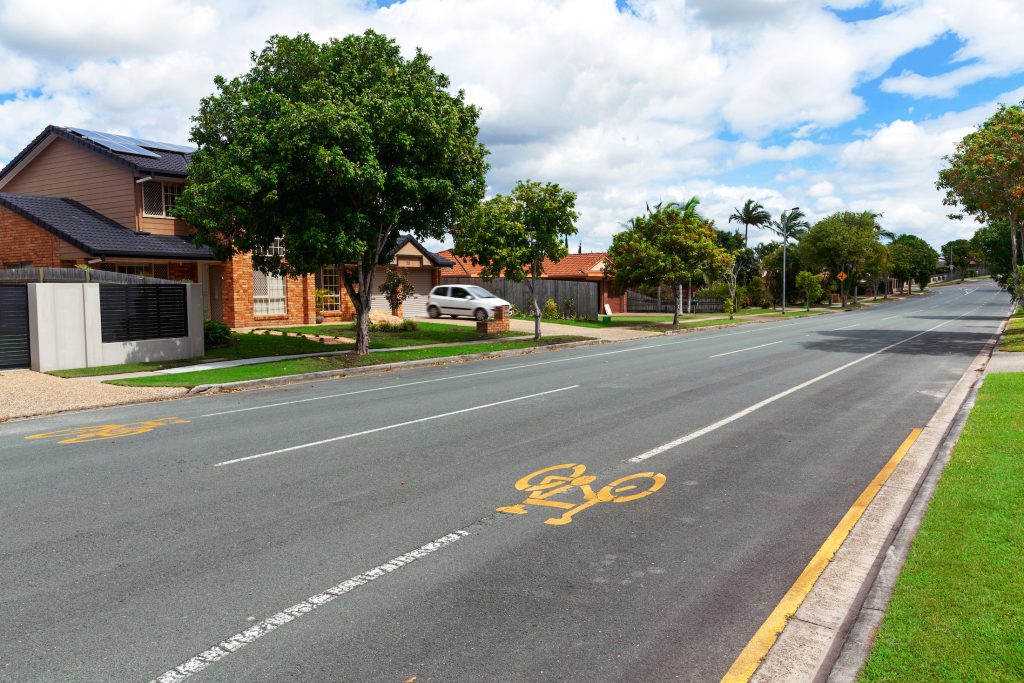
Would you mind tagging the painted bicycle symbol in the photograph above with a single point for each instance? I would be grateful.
(543, 484)
(109, 431)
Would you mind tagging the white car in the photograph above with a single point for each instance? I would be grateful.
(466, 300)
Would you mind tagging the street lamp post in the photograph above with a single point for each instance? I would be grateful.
(784, 228)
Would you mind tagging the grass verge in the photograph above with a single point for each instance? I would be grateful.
(298, 366)
(425, 333)
(957, 613)
(1013, 338)
(247, 345)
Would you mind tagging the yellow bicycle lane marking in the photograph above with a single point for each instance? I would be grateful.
(107, 431)
(541, 491)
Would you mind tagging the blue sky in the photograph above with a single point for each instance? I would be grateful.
(828, 106)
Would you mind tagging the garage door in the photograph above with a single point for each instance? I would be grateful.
(421, 280)
(14, 348)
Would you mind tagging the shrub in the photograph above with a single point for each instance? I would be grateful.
(716, 290)
(756, 292)
(396, 289)
(216, 333)
(569, 306)
(551, 310)
(407, 325)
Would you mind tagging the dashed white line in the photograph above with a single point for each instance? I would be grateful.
(749, 348)
(886, 318)
(772, 399)
(487, 372)
(846, 328)
(394, 426)
(272, 623)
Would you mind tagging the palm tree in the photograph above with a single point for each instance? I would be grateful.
(752, 213)
(790, 224)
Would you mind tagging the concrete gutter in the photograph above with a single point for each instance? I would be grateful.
(386, 367)
(811, 645)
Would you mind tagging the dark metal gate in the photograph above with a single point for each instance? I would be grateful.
(14, 343)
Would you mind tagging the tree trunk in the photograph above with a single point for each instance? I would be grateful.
(361, 301)
(689, 297)
(678, 308)
(536, 308)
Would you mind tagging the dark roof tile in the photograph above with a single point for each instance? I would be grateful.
(96, 234)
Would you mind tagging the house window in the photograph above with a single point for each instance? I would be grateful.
(268, 294)
(159, 198)
(328, 278)
(144, 269)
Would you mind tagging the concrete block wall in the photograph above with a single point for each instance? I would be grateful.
(65, 330)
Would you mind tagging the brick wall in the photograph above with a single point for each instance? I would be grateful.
(238, 303)
(25, 242)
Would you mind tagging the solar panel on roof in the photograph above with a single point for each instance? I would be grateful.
(164, 146)
(115, 143)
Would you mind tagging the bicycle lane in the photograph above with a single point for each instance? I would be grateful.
(593, 591)
(371, 525)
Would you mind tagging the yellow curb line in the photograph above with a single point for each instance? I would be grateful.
(750, 658)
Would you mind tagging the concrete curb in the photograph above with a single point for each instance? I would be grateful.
(813, 640)
(386, 367)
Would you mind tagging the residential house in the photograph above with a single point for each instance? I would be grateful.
(589, 267)
(75, 196)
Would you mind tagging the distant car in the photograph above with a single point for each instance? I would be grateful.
(463, 300)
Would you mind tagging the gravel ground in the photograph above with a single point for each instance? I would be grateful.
(26, 393)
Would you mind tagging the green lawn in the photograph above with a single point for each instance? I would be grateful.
(1013, 338)
(426, 333)
(248, 345)
(957, 613)
(317, 363)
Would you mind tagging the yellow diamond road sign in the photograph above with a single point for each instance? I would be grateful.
(841, 276)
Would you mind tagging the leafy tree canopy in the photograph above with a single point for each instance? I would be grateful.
(913, 259)
(992, 244)
(337, 148)
(511, 235)
(667, 245)
(985, 176)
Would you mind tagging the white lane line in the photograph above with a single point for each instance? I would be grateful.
(846, 328)
(749, 348)
(772, 399)
(486, 372)
(272, 623)
(394, 426)
(891, 316)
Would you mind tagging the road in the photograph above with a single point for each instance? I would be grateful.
(348, 530)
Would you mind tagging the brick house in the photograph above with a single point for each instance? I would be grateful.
(587, 267)
(75, 196)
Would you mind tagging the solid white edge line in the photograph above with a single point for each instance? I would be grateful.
(272, 623)
(394, 426)
(749, 348)
(771, 399)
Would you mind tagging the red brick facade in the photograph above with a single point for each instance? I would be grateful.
(299, 292)
(26, 243)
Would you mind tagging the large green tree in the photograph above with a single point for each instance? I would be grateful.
(841, 242)
(336, 148)
(913, 259)
(985, 177)
(511, 235)
(667, 245)
(992, 244)
(752, 213)
(959, 253)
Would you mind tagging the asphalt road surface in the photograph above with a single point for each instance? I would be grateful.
(348, 530)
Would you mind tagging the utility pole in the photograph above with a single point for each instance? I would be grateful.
(784, 227)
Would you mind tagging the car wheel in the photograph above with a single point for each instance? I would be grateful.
(433, 311)
(480, 314)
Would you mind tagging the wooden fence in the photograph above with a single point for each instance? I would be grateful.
(575, 298)
(641, 303)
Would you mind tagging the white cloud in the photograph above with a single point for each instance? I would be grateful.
(622, 107)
